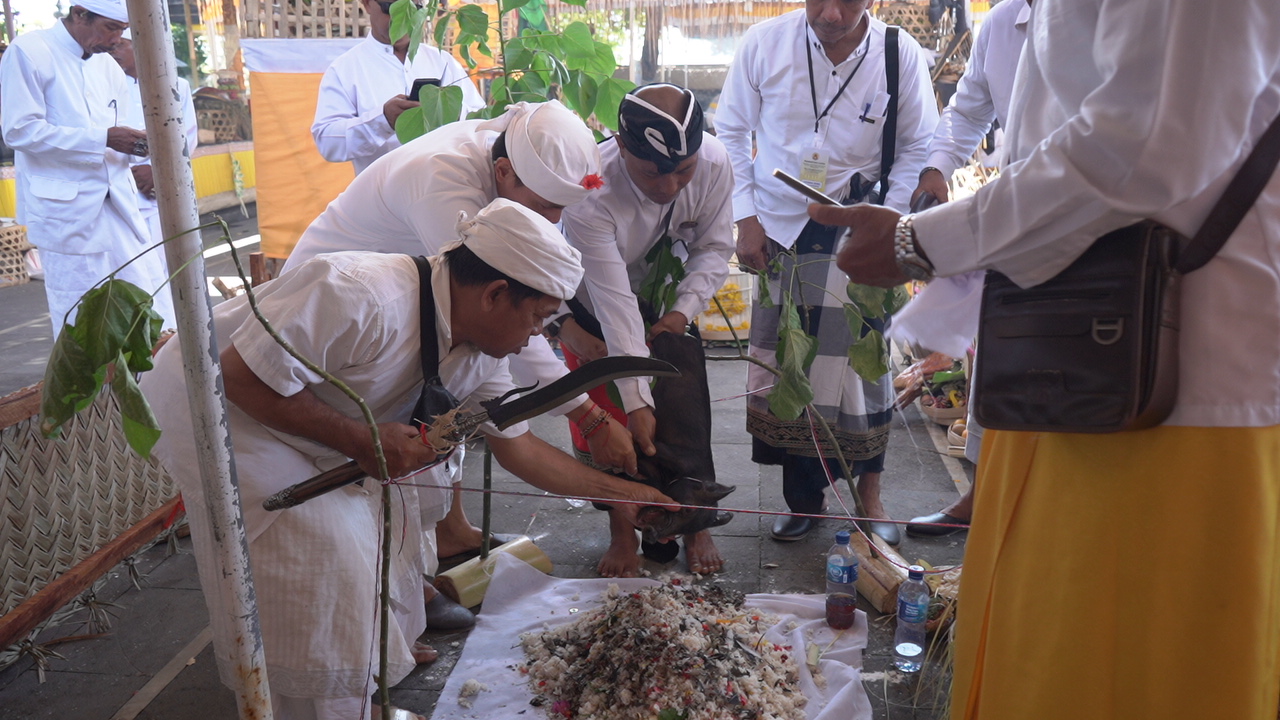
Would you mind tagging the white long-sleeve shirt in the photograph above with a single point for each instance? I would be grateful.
(767, 97)
(615, 229)
(137, 119)
(1116, 117)
(349, 124)
(57, 108)
(983, 94)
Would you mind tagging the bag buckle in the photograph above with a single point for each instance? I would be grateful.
(1108, 331)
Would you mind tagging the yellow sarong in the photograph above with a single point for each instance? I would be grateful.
(1127, 576)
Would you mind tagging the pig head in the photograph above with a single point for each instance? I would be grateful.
(682, 468)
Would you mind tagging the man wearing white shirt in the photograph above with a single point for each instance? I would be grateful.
(1120, 538)
(141, 167)
(64, 104)
(664, 177)
(811, 89)
(364, 91)
(538, 154)
(981, 99)
(359, 316)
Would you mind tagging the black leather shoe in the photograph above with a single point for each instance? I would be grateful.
(924, 526)
(788, 528)
(888, 532)
(445, 614)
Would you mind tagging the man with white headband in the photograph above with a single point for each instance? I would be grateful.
(65, 112)
(666, 182)
(359, 315)
(540, 155)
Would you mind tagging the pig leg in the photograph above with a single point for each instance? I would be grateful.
(701, 553)
(622, 559)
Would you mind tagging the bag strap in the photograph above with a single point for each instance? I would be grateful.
(1240, 195)
(889, 140)
(427, 311)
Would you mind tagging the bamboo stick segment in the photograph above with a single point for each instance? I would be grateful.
(466, 584)
(878, 579)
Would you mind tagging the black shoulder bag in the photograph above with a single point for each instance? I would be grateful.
(435, 398)
(1095, 348)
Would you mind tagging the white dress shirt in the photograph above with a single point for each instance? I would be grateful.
(1129, 122)
(983, 93)
(408, 202)
(349, 124)
(615, 229)
(767, 95)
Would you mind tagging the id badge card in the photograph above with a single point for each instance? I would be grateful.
(813, 168)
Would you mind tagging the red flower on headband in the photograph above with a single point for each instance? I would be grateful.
(592, 182)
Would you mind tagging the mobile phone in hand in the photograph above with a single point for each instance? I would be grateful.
(805, 190)
(417, 86)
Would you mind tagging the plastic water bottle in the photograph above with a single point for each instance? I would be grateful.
(913, 611)
(842, 573)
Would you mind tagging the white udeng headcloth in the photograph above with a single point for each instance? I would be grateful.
(113, 9)
(551, 150)
(522, 245)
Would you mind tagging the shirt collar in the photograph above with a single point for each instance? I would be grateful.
(816, 44)
(62, 38)
(1024, 15)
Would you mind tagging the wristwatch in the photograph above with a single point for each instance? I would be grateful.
(553, 328)
(907, 253)
(928, 168)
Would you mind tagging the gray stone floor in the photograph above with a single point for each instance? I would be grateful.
(152, 664)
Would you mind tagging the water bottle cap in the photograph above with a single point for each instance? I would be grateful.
(915, 572)
(842, 537)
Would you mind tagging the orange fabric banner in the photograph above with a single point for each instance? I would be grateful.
(295, 183)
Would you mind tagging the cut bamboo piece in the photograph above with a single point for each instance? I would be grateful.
(878, 579)
(466, 584)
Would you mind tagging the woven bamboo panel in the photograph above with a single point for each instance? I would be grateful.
(60, 500)
(303, 19)
(910, 16)
(13, 242)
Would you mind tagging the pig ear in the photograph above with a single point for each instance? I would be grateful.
(722, 518)
(714, 492)
(650, 515)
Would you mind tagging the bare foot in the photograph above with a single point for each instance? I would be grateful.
(869, 493)
(423, 653)
(452, 542)
(622, 559)
(701, 553)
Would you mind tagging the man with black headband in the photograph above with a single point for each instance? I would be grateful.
(814, 89)
(666, 181)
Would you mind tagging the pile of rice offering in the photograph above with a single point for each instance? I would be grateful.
(673, 652)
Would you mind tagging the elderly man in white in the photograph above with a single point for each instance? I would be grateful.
(65, 104)
(358, 315)
(540, 155)
(363, 92)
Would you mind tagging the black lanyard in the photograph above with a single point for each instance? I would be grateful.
(813, 88)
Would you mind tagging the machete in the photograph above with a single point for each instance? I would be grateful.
(502, 414)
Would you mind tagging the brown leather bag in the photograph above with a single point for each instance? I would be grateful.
(1095, 348)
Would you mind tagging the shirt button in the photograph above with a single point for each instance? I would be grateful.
(833, 74)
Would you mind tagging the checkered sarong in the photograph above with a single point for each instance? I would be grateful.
(857, 410)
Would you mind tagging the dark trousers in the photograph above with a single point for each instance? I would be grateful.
(803, 479)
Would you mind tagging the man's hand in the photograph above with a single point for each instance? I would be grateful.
(393, 108)
(673, 322)
(586, 346)
(933, 183)
(643, 425)
(642, 493)
(127, 140)
(866, 254)
(611, 447)
(753, 244)
(402, 447)
(146, 183)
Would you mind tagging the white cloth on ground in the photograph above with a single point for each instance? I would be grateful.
(767, 96)
(349, 123)
(615, 229)
(522, 599)
(1091, 150)
(357, 315)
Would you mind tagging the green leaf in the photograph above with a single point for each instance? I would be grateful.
(605, 62)
(71, 382)
(401, 19)
(474, 20)
(796, 351)
(869, 356)
(509, 5)
(141, 429)
(895, 299)
(762, 282)
(484, 49)
(464, 49)
(581, 93)
(117, 316)
(671, 713)
(519, 56)
(612, 90)
(440, 106)
(410, 125)
(661, 282)
(578, 3)
(441, 28)
(870, 300)
(578, 42)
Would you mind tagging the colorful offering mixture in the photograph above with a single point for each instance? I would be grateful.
(672, 652)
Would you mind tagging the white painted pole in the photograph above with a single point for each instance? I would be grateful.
(176, 195)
